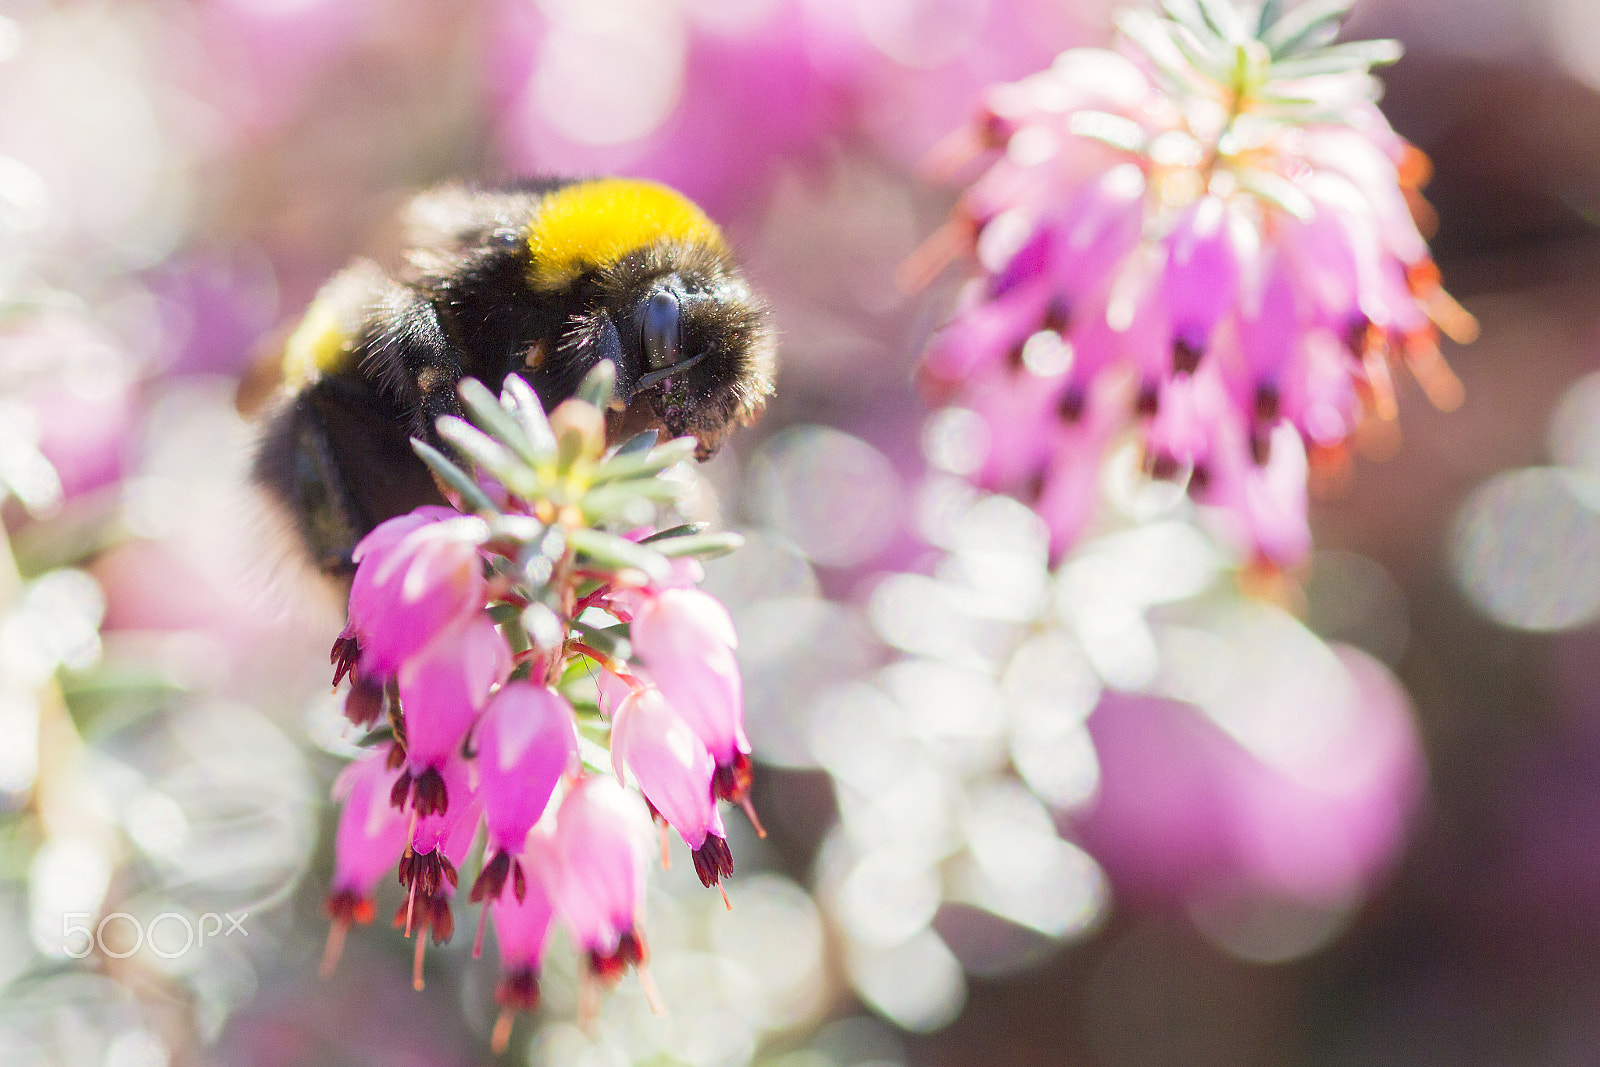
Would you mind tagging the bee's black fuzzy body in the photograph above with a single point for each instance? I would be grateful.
(543, 279)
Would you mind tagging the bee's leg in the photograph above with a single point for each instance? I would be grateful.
(336, 457)
(413, 360)
(297, 466)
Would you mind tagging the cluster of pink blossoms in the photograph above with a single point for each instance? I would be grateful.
(475, 639)
(1211, 233)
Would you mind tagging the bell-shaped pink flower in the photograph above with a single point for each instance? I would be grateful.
(526, 741)
(598, 869)
(522, 929)
(1118, 207)
(439, 844)
(441, 692)
(369, 841)
(686, 640)
(1101, 226)
(1263, 505)
(416, 575)
(370, 837)
(1202, 275)
(674, 773)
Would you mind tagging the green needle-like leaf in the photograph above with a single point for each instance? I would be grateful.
(454, 477)
(685, 530)
(618, 553)
(597, 385)
(490, 416)
(643, 441)
(1310, 24)
(520, 399)
(702, 546)
(639, 464)
(482, 449)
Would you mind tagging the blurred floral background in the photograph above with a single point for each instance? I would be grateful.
(1118, 811)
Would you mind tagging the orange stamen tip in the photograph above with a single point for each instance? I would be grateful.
(483, 921)
(1382, 386)
(750, 813)
(1458, 324)
(952, 152)
(933, 255)
(416, 964)
(1416, 169)
(652, 995)
(333, 949)
(501, 1038)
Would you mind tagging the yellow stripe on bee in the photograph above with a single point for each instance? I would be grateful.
(594, 223)
(317, 346)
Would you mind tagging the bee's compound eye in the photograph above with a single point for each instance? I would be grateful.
(661, 329)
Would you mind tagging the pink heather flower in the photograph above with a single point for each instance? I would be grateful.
(416, 575)
(441, 692)
(1229, 247)
(598, 872)
(686, 640)
(370, 838)
(522, 929)
(439, 844)
(674, 773)
(526, 741)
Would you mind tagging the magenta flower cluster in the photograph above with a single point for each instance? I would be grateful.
(1210, 235)
(474, 640)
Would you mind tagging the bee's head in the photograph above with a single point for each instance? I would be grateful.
(693, 351)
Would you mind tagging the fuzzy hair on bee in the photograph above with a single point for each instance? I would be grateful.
(543, 279)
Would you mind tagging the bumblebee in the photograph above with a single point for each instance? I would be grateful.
(542, 279)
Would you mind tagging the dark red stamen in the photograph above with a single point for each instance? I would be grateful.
(428, 793)
(518, 990)
(429, 913)
(1058, 316)
(492, 879)
(344, 906)
(1268, 402)
(630, 952)
(363, 706)
(1185, 356)
(1260, 448)
(1071, 407)
(731, 781)
(400, 792)
(1164, 467)
(429, 870)
(713, 861)
(346, 653)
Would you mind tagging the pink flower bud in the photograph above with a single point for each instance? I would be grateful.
(370, 838)
(522, 928)
(686, 641)
(1202, 275)
(598, 886)
(441, 692)
(416, 575)
(526, 742)
(439, 844)
(674, 772)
